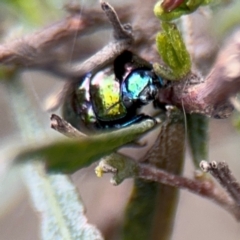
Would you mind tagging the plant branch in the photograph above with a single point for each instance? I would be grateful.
(65, 128)
(32, 50)
(210, 97)
(122, 40)
(221, 172)
(203, 188)
(48, 49)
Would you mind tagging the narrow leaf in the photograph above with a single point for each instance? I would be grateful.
(54, 196)
(140, 211)
(198, 137)
(70, 155)
(57, 200)
(151, 210)
(168, 154)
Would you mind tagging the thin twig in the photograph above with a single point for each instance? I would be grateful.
(100, 59)
(205, 189)
(123, 38)
(146, 171)
(65, 128)
(221, 172)
(34, 49)
(48, 49)
(119, 31)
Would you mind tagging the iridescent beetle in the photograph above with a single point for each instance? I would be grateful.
(111, 97)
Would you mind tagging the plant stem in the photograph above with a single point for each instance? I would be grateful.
(205, 189)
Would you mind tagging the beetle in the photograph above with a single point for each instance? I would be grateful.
(112, 97)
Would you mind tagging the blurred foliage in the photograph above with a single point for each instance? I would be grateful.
(225, 18)
(62, 211)
(53, 195)
(21, 16)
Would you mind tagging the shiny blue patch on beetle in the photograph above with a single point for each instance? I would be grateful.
(140, 87)
(135, 82)
(112, 97)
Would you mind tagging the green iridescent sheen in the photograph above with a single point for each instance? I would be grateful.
(105, 95)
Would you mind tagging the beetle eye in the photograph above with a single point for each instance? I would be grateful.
(127, 101)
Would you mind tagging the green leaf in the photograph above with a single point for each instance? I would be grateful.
(198, 137)
(62, 211)
(152, 207)
(168, 154)
(140, 211)
(173, 51)
(70, 155)
(54, 196)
